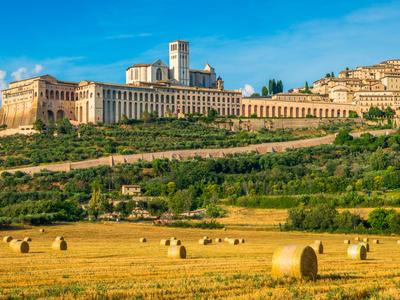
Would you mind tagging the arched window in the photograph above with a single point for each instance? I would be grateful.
(158, 74)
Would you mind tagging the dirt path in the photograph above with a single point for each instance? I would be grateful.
(186, 154)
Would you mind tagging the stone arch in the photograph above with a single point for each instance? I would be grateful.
(279, 111)
(256, 110)
(267, 111)
(243, 108)
(291, 112)
(320, 112)
(344, 114)
(262, 111)
(50, 116)
(326, 113)
(303, 112)
(332, 113)
(309, 111)
(273, 112)
(338, 113)
(285, 111)
(315, 112)
(249, 111)
(297, 112)
(60, 115)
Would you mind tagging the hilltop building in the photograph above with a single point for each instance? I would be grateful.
(353, 90)
(154, 88)
(176, 89)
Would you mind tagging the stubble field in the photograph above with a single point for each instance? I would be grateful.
(106, 261)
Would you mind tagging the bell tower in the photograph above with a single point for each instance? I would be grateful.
(179, 62)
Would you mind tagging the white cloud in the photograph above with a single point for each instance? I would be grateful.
(37, 69)
(247, 90)
(19, 74)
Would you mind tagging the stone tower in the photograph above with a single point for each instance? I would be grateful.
(179, 62)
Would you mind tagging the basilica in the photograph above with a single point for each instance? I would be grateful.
(178, 90)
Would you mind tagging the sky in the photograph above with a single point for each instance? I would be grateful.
(247, 42)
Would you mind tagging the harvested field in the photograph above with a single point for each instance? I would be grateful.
(107, 260)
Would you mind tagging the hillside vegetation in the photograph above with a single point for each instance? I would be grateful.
(361, 172)
(62, 142)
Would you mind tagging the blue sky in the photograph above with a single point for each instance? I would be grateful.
(247, 42)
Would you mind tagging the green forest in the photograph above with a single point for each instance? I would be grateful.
(360, 172)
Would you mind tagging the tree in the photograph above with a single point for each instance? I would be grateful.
(181, 201)
(264, 91)
(306, 87)
(146, 117)
(212, 113)
(279, 86)
(374, 113)
(389, 112)
(353, 114)
(39, 125)
(379, 160)
(342, 137)
(271, 87)
(254, 95)
(97, 201)
(64, 126)
(274, 87)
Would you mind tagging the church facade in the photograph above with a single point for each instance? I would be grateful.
(177, 73)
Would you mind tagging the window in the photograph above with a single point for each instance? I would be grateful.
(158, 74)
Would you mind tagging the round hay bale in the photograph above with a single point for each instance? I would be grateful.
(295, 261)
(233, 241)
(27, 239)
(41, 230)
(366, 245)
(177, 252)
(365, 240)
(218, 240)
(357, 252)
(398, 242)
(317, 247)
(172, 238)
(226, 239)
(19, 246)
(224, 229)
(59, 245)
(7, 239)
(241, 241)
(203, 242)
(205, 237)
(357, 239)
(346, 241)
(165, 242)
(376, 241)
(59, 238)
(176, 242)
(142, 240)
